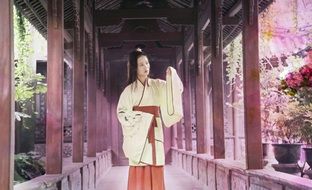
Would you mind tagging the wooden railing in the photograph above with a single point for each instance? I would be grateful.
(230, 174)
(75, 176)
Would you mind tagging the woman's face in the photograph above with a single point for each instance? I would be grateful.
(143, 67)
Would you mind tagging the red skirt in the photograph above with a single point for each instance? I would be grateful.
(146, 178)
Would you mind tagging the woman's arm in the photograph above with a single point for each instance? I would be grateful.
(130, 120)
(171, 98)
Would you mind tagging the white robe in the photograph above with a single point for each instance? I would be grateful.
(135, 124)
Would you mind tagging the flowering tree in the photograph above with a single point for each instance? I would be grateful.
(297, 84)
(285, 29)
(271, 97)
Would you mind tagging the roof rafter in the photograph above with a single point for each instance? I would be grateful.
(113, 17)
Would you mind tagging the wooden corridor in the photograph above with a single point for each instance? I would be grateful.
(116, 178)
(93, 38)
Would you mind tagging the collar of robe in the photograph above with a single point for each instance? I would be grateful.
(147, 82)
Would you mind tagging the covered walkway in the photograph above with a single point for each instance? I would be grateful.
(214, 147)
(116, 178)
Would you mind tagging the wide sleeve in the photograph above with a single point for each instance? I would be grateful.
(130, 120)
(171, 99)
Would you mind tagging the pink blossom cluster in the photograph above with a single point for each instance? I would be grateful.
(294, 80)
(300, 78)
(297, 79)
(306, 72)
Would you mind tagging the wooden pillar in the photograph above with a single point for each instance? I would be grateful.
(91, 96)
(55, 82)
(179, 135)
(104, 105)
(109, 104)
(78, 82)
(174, 136)
(200, 87)
(252, 84)
(179, 124)
(103, 121)
(208, 108)
(100, 99)
(186, 99)
(100, 131)
(99, 120)
(6, 95)
(105, 110)
(217, 79)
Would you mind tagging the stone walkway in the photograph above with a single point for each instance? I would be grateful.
(175, 179)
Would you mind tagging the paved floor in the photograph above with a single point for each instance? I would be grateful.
(175, 179)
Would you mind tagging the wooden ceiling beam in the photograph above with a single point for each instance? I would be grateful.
(183, 16)
(235, 9)
(136, 36)
(204, 15)
(35, 14)
(67, 36)
(124, 56)
(44, 3)
(114, 44)
(230, 20)
(149, 51)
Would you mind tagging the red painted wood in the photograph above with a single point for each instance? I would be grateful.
(104, 126)
(109, 104)
(115, 131)
(55, 80)
(174, 136)
(103, 121)
(104, 100)
(6, 95)
(252, 85)
(179, 124)
(78, 83)
(91, 108)
(179, 135)
(98, 120)
(201, 134)
(187, 100)
(217, 80)
(167, 144)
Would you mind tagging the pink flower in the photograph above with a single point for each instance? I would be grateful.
(305, 71)
(294, 79)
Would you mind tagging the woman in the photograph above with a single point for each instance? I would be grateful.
(141, 106)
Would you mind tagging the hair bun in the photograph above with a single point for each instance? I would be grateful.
(138, 49)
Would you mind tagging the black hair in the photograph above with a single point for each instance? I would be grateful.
(133, 64)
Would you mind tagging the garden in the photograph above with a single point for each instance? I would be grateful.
(285, 82)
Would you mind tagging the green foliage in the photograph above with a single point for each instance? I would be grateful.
(27, 166)
(234, 70)
(234, 67)
(27, 82)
